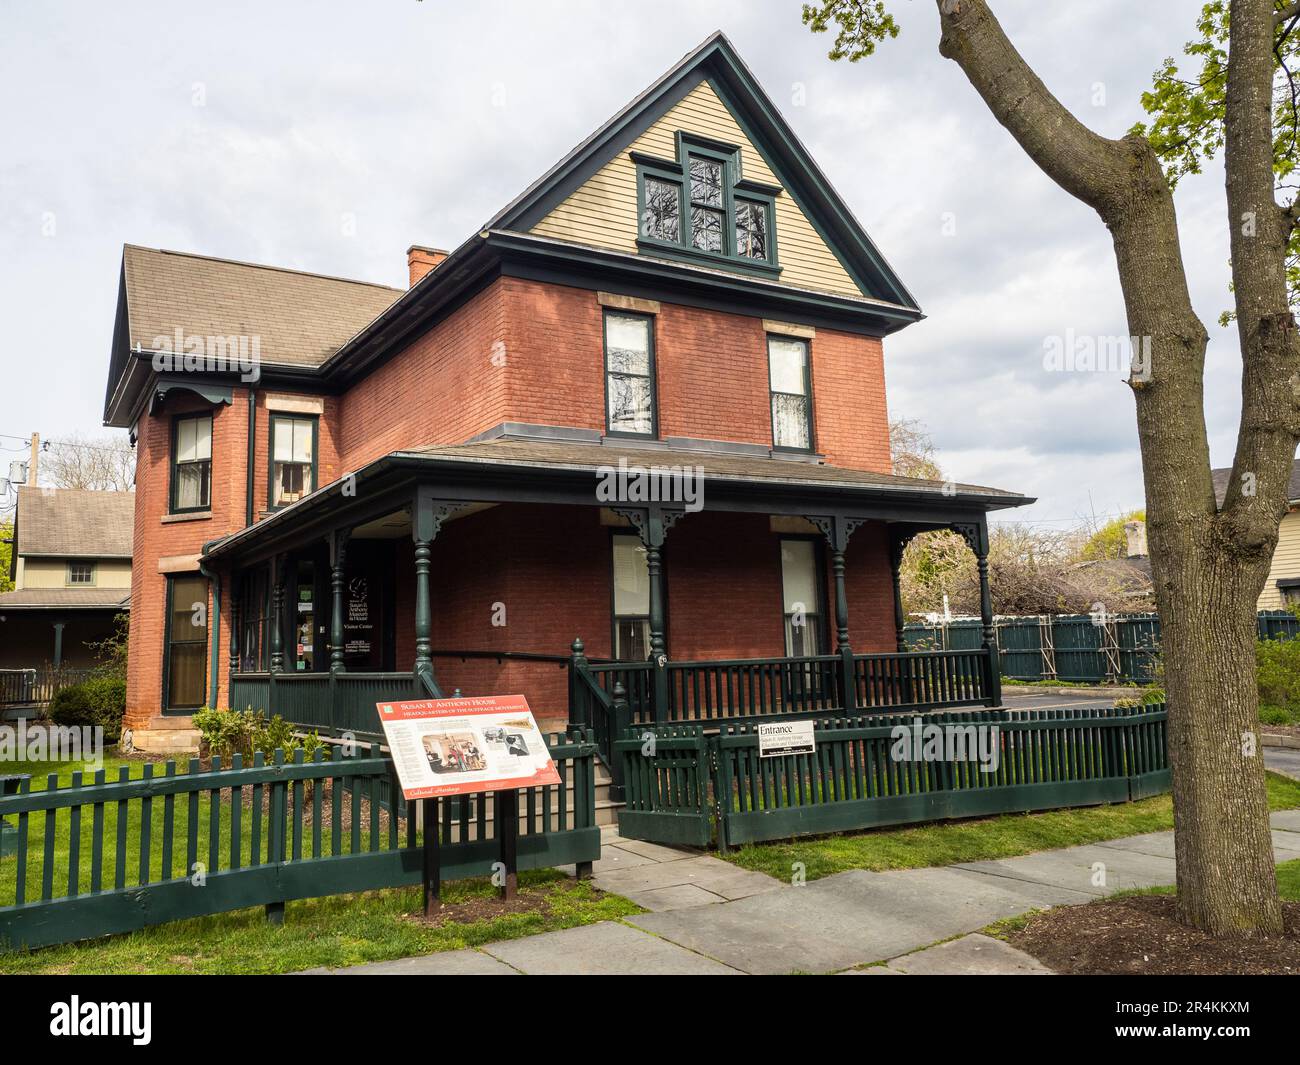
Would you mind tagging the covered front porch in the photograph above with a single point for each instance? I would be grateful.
(473, 568)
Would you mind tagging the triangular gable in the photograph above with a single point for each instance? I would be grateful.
(590, 197)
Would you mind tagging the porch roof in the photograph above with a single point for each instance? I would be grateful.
(510, 469)
(66, 599)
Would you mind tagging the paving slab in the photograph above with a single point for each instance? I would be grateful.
(973, 955)
(605, 949)
(1286, 819)
(1284, 760)
(677, 897)
(1286, 845)
(1072, 869)
(445, 963)
(848, 919)
(654, 851)
(705, 871)
(614, 859)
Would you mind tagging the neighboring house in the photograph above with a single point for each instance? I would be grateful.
(1125, 584)
(417, 482)
(1282, 588)
(72, 575)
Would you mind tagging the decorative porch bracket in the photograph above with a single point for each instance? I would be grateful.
(652, 524)
(427, 519)
(338, 542)
(976, 535)
(837, 529)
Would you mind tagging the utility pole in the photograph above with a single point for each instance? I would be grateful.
(32, 479)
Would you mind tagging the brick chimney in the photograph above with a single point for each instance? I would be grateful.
(1136, 534)
(421, 260)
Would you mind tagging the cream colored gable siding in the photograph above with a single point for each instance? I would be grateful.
(1286, 561)
(603, 211)
(53, 573)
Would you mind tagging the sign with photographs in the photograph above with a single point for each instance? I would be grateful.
(779, 738)
(458, 746)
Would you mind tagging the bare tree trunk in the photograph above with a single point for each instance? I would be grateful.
(1209, 567)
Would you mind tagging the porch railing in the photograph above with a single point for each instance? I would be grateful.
(606, 697)
(35, 687)
(324, 702)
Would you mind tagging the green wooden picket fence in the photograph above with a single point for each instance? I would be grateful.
(95, 857)
(696, 786)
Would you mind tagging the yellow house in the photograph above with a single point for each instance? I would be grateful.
(71, 569)
(1282, 589)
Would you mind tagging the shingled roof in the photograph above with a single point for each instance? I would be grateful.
(300, 319)
(73, 522)
(1220, 478)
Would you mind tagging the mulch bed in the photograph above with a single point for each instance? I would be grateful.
(1140, 936)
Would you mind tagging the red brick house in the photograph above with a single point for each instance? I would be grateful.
(348, 492)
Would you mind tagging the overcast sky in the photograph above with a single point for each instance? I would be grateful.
(256, 130)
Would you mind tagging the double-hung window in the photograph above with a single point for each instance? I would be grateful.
(293, 458)
(629, 374)
(802, 601)
(631, 600)
(789, 380)
(186, 643)
(699, 207)
(191, 481)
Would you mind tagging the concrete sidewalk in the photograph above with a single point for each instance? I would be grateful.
(710, 917)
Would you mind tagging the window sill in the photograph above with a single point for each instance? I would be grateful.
(663, 249)
(197, 515)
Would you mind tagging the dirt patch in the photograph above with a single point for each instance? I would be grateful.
(1139, 936)
(486, 908)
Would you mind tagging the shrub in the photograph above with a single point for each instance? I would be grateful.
(1277, 673)
(245, 732)
(100, 701)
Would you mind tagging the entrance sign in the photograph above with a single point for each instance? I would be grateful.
(461, 746)
(780, 738)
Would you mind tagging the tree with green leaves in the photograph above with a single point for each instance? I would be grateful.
(6, 555)
(1209, 562)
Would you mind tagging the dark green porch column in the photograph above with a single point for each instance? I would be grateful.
(837, 529)
(653, 523)
(58, 644)
(423, 611)
(426, 522)
(338, 581)
(976, 535)
(277, 614)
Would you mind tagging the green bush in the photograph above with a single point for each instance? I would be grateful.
(100, 701)
(245, 732)
(1277, 672)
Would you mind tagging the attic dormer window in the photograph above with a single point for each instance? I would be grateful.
(700, 208)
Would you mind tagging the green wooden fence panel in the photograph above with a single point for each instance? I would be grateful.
(1046, 760)
(259, 852)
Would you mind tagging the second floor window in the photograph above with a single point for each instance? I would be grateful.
(192, 463)
(293, 458)
(629, 374)
(788, 377)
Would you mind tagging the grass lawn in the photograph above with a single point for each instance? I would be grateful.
(341, 930)
(977, 840)
(333, 931)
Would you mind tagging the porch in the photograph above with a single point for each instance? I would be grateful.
(388, 585)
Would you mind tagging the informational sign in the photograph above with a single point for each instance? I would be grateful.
(779, 738)
(459, 746)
